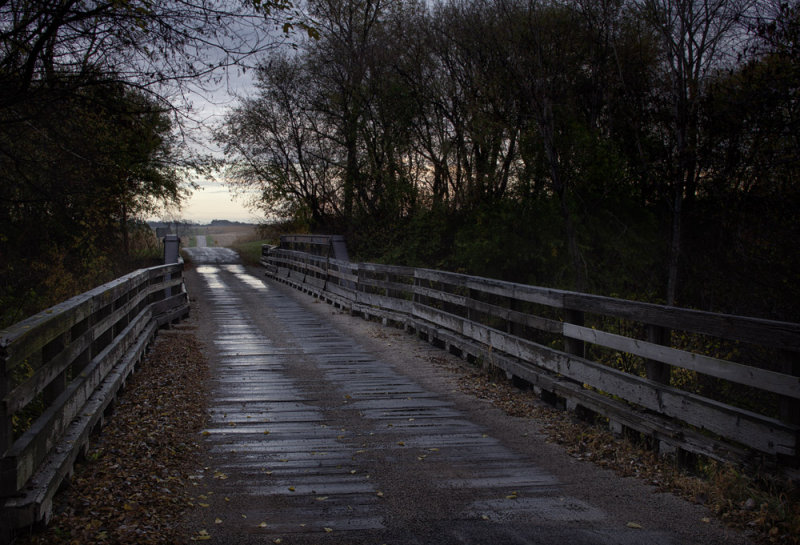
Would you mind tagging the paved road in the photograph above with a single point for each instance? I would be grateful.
(319, 434)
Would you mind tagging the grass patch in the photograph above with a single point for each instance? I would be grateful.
(249, 251)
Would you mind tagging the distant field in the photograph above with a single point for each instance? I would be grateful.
(221, 235)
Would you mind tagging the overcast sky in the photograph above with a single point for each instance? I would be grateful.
(213, 199)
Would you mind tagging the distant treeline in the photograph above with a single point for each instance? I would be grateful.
(187, 223)
(647, 149)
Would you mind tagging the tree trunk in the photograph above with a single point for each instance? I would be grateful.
(546, 127)
(674, 247)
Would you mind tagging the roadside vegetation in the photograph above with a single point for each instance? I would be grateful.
(95, 115)
(644, 149)
(250, 251)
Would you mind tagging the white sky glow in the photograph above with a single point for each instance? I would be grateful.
(214, 201)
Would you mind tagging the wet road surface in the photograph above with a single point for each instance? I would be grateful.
(313, 438)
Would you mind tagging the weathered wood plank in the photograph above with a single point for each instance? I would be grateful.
(521, 292)
(531, 320)
(26, 337)
(383, 302)
(343, 276)
(34, 502)
(521, 318)
(115, 303)
(29, 450)
(24, 393)
(386, 285)
(654, 425)
(781, 335)
(444, 296)
(341, 291)
(381, 268)
(763, 379)
(765, 434)
(316, 282)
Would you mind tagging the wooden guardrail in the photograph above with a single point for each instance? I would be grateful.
(61, 370)
(625, 361)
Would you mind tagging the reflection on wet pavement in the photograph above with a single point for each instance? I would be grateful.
(208, 254)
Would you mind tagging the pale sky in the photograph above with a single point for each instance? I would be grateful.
(214, 201)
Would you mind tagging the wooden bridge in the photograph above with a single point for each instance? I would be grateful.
(322, 434)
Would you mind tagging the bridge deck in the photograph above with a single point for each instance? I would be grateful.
(318, 436)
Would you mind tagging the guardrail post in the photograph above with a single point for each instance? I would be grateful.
(171, 252)
(790, 406)
(656, 370)
(59, 383)
(6, 426)
(574, 346)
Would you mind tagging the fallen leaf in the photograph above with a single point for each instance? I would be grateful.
(217, 520)
(329, 530)
(291, 489)
(634, 525)
(262, 525)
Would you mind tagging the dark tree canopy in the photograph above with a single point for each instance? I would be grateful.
(92, 94)
(643, 148)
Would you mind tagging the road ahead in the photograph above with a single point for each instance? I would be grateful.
(326, 429)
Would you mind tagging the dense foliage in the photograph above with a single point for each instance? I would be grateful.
(638, 148)
(79, 169)
(92, 94)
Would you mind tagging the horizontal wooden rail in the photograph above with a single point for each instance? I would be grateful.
(564, 344)
(61, 369)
